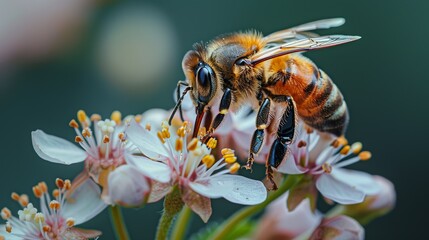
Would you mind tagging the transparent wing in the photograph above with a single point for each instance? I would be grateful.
(301, 45)
(300, 31)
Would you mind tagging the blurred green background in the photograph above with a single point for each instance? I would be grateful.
(100, 56)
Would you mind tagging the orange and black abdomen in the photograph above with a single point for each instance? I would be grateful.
(319, 102)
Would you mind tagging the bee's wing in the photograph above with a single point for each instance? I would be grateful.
(301, 45)
(297, 31)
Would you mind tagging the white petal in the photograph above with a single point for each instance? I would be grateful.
(84, 203)
(289, 166)
(154, 117)
(146, 141)
(128, 187)
(356, 179)
(234, 188)
(338, 191)
(55, 149)
(155, 170)
(9, 236)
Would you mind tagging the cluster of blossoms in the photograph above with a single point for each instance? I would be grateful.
(140, 159)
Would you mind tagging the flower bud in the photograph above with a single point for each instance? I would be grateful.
(338, 227)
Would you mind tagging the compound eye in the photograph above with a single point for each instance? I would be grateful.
(242, 62)
(204, 77)
(205, 82)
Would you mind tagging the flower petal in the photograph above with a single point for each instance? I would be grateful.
(234, 188)
(154, 117)
(339, 228)
(338, 191)
(146, 141)
(55, 149)
(79, 233)
(289, 166)
(128, 187)
(84, 203)
(199, 204)
(356, 179)
(159, 190)
(9, 236)
(157, 171)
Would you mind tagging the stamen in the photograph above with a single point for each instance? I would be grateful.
(212, 143)
(73, 124)
(47, 228)
(234, 168)
(86, 132)
(138, 118)
(54, 204)
(345, 150)
(327, 167)
(159, 134)
(179, 144)
(82, 118)
(37, 191)
(121, 137)
(343, 141)
(56, 193)
(193, 144)
(302, 144)
(43, 187)
(148, 126)
(59, 182)
(356, 147)
(202, 132)
(8, 227)
(230, 158)
(309, 130)
(23, 200)
(116, 116)
(5, 213)
(70, 222)
(15, 196)
(78, 139)
(165, 132)
(208, 160)
(95, 117)
(67, 184)
(181, 132)
(226, 151)
(106, 139)
(335, 143)
(39, 218)
(365, 155)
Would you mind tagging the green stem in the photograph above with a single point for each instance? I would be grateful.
(229, 225)
(118, 223)
(181, 225)
(172, 205)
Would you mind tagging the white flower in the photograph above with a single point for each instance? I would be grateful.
(191, 167)
(104, 150)
(57, 217)
(322, 158)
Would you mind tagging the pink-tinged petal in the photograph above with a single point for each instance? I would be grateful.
(338, 191)
(128, 187)
(9, 236)
(79, 233)
(199, 204)
(234, 188)
(157, 171)
(386, 197)
(289, 166)
(146, 141)
(339, 228)
(55, 149)
(356, 179)
(77, 182)
(159, 190)
(84, 203)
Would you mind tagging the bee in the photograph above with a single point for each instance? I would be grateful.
(270, 74)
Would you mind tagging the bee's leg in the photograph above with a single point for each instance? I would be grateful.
(258, 135)
(225, 102)
(285, 134)
(179, 100)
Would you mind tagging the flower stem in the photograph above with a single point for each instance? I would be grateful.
(172, 205)
(118, 223)
(181, 224)
(229, 225)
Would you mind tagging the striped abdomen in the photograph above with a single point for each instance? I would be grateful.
(319, 102)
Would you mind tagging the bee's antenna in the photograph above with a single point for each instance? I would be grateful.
(179, 101)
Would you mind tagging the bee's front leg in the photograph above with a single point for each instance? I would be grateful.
(224, 105)
(258, 135)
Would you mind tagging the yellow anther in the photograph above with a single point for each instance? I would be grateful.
(106, 139)
(343, 141)
(165, 132)
(2, 238)
(78, 139)
(59, 182)
(327, 167)
(234, 168)
(73, 124)
(47, 228)
(121, 136)
(179, 144)
(117, 117)
(39, 218)
(67, 184)
(56, 193)
(15, 196)
(8, 227)
(335, 143)
(365, 155)
(262, 126)
(148, 126)
(226, 151)
(302, 144)
(223, 111)
(356, 147)
(82, 117)
(230, 160)
(138, 118)
(193, 144)
(229, 155)
(6, 213)
(309, 130)
(202, 131)
(208, 160)
(159, 134)
(181, 132)
(95, 117)
(23, 200)
(37, 192)
(54, 204)
(86, 132)
(345, 150)
(212, 143)
(70, 222)
(43, 187)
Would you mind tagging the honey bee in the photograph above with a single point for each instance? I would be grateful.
(271, 75)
